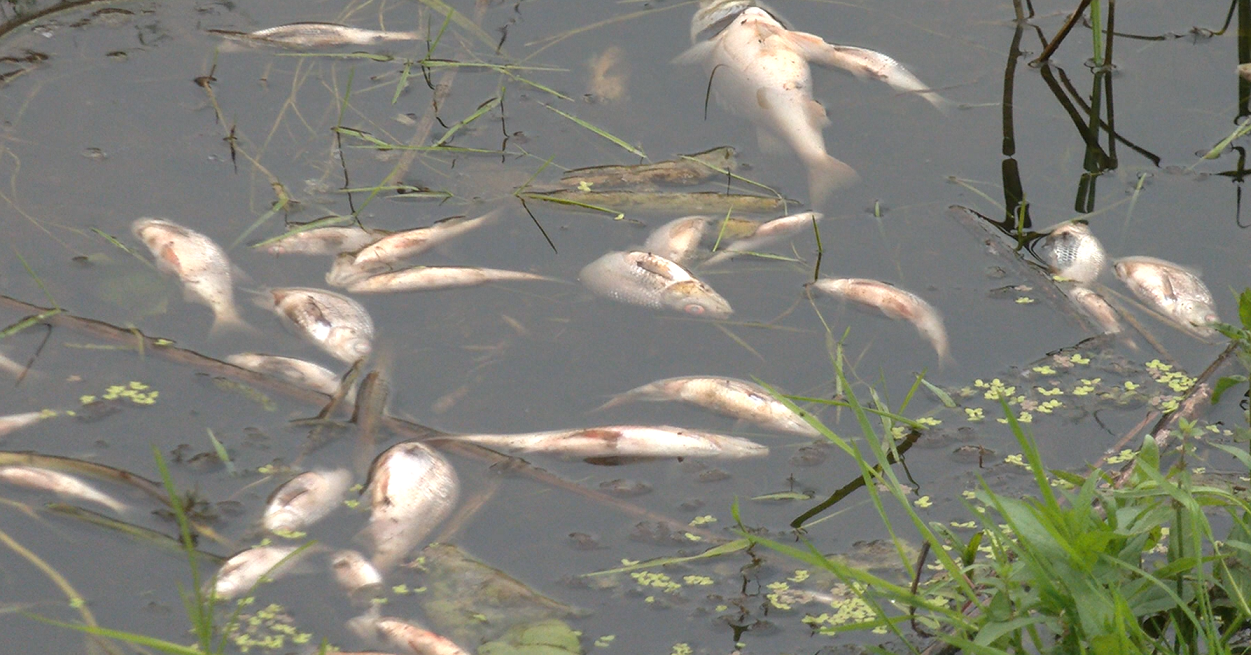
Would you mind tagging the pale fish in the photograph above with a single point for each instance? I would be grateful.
(335, 323)
(761, 72)
(304, 500)
(318, 35)
(18, 421)
(1072, 252)
(297, 371)
(245, 570)
(325, 241)
(433, 278)
(412, 489)
(768, 233)
(641, 278)
(895, 303)
(1094, 306)
(355, 574)
(61, 484)
(1173, 290)
(739, 399)
(626, 441)
(678, 240)
(381, 255)
(199, 263)
(404, 636)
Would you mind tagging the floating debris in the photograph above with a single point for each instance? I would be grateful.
(324, 241)
(412, 489)
(640, 278)
(895, 303)
(304, 500)
(685, 170)
(337, 324)
(728, 396)
(433, 278)
(627, 441)
(199, 263)
(245, 570)
(1171, 289)
(297, 371)
(317, 35)
(1071, 251)
(61, 484)
(663, 202)
(767, 234)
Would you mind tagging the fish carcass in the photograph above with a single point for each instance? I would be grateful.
(412, 489)
(761, 72)
(304, 500)
(739, 399)
(198, 262)
(641, 278)
(894, 303)
(626, 441)
(1071, 251)
(337, 324)
(1171, 289)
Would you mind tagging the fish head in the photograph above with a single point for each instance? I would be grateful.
(697, 299)
(713, 16)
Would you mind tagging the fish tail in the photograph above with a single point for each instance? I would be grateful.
(228, 321)
(826, 175)
(615, 401)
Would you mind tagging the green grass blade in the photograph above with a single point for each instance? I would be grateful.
(629, 148)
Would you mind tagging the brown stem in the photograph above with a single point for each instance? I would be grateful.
(1064, 31)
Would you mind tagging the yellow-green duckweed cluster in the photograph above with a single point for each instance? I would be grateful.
(269, 629)
(136, 392)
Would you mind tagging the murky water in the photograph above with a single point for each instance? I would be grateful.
(115, 111)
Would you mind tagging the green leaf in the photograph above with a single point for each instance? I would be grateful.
(1223, 385)
(1244, 308)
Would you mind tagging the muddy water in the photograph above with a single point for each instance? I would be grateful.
(115, 111)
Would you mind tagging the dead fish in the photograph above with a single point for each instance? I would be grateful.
(666, 202)
(1093, 305)
(433, 278)
(1071, 251)
(628, 441)
(318, 35)
(412, 489)
(355, 574)
(18, 421)
(381, 255)
(678, 240)
(412, 639)
(337, 324)
(762, 74)
(685, 170)
(325, 241)
(305, 500)
(61, 484)
(199, 263)
(245, 570)
(895, 303)
(609, 74)
(296, 371)
(641, 278)
(1173, 290)
(739, 399)
(768, 233)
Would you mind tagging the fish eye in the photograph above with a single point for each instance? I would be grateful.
(694, 309)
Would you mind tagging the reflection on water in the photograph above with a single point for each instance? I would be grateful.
(115, 112)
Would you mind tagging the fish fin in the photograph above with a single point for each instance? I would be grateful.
(695, 54)
(825, 176)
(770, 144)
(865, 64)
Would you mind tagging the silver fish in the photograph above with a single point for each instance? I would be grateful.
(296, 371)
(412, 489)
(762, 73)
(641, 278)
(355, 574)
(433, 278)
(245, 570)
(895, 303)
(1093, 305)
(678, 240)
(318, 35)
(61, 484)
(1173, 290)
(325, 241)
(385, 252)
(629, 441)
(739, 399)
(335, 323)
(18, 421)
(304, 500)
(198, 262)
(767, 234)
(1072, 252)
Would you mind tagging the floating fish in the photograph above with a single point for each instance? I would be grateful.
(641, 278)
(381, 255)
(1071, 251)
(356, 575)
(678, 240)
(245, 570)
(768, 233)
(761, 72)
(17, 421)
(318, 35)
(1094, 306)
(412, 489)
(61, 484)
(627, 441)
(895, 303)
(728, 396)
(304, 500)
(335, 323)
(609, 74)
(198, 262)
(324, 241)
(433, 278)
(1173, 290)
(687, 169)
(296, 371)
(404, 636)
